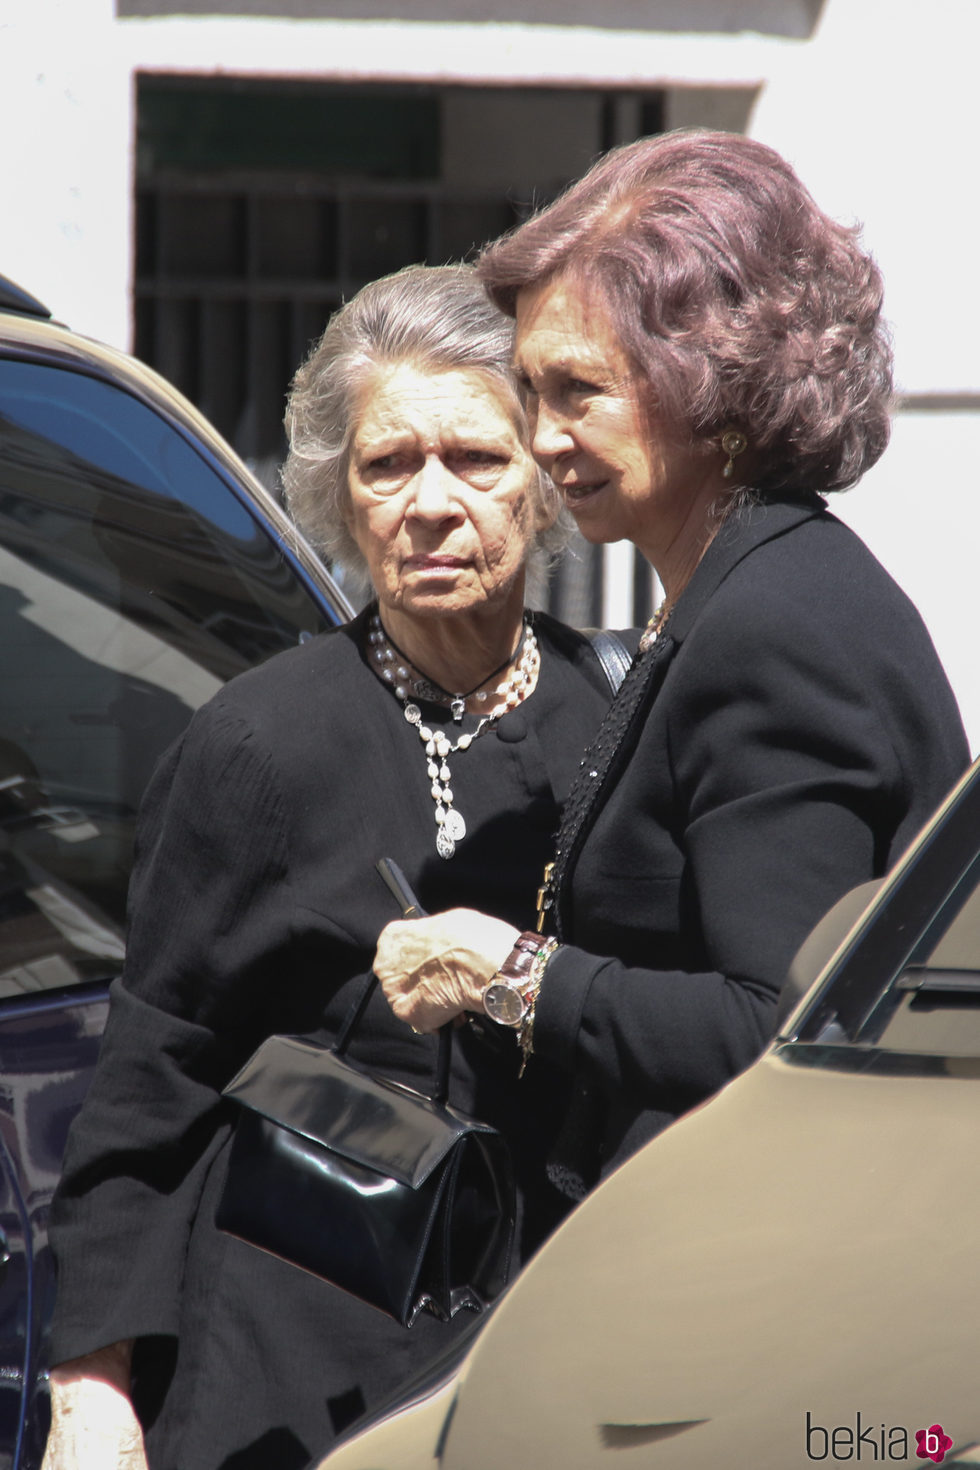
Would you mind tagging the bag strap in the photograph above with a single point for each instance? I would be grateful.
(612, 654)
(355, 1015)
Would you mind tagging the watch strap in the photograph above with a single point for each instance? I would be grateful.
(517, 966)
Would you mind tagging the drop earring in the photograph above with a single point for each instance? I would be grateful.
(734, 443)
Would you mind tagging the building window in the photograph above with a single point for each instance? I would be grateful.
(261, 206)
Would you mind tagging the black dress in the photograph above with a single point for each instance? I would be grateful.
(255, 909)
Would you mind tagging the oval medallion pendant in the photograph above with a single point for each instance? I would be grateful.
(445, 846)
(454, 825)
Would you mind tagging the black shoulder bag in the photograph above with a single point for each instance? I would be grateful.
(612, 653)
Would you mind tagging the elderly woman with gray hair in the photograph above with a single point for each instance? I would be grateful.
(255, 909)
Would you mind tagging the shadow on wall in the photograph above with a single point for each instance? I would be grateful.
(793, 18)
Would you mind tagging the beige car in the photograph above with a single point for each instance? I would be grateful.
(791, 1273)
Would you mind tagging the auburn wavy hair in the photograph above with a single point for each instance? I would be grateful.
(740, 303)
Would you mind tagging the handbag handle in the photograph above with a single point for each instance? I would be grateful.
(440, 1091)
(397, 883)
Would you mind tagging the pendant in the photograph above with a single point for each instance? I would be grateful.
(454, 826)
(450, 825)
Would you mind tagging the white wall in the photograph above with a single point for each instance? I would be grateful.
(66, 126)
(878, 113)
(919, 510)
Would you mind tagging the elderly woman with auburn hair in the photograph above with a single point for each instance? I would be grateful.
(704, 358)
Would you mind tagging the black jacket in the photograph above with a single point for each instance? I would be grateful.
(255, 909)
(795, 730)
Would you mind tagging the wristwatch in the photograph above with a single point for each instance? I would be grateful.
(507, 998)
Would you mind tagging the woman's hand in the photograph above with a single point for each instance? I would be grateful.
(93, 1423)
(432, 970)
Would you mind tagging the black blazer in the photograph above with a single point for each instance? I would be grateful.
(795, 731)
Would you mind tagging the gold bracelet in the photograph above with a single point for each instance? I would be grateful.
(525, 1034)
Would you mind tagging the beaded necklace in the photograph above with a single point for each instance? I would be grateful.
(427, 688)
(402, 676)
(654, 627)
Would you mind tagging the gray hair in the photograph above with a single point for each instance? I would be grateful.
(435, 317)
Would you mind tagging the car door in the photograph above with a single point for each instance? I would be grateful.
(788, 1273)
(136, 575)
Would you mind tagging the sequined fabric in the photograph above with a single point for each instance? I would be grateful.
(599, 766)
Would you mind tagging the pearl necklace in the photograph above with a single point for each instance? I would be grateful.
(450, 825)
(425, 688)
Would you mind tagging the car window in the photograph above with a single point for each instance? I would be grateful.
(934, 1005)
(133, 582)
(952, 942)
(909, 980)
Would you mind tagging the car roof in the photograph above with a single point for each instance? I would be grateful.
(28, 332)
(15, 298)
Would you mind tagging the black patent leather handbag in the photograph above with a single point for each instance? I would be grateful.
(389, 1193)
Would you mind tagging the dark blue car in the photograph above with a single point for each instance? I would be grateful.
(141, 566)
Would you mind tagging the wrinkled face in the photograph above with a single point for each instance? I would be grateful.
(443, 496)
(622, 475)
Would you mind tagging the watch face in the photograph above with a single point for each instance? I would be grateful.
(504, 1004)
